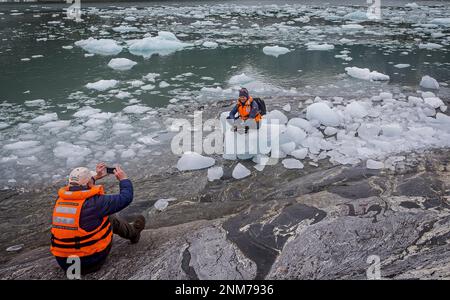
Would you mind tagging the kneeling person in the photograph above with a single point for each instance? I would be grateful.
(83, 220)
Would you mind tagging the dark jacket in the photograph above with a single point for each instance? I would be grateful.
(92, 213)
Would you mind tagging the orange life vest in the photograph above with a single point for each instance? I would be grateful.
(244, 110)
(68, 238)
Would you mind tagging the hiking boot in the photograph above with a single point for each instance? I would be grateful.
(139, 225)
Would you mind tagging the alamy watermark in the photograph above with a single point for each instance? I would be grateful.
(374, 270)
(374, 9)
(73, 12)
(74, 269)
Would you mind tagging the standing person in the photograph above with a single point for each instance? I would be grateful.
(83, 220)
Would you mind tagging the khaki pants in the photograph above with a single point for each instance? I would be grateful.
(122, 228)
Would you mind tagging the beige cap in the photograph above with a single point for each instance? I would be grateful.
(81, 176)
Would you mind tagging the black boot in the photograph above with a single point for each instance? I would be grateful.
(139, 225)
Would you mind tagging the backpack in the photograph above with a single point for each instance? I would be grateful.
(261, 105)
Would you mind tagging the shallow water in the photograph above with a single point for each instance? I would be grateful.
(194, 73)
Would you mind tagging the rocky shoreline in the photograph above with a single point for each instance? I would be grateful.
(323, 225)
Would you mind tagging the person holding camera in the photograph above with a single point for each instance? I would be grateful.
(83, 219)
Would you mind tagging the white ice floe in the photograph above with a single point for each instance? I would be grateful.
(163, 44)
(74, 154)
(121, 64)
(101, 46)
(276, 115)
(322, 113)
(401, 66)
(430, 46)
(194, 161)
(319, 47)
(136, 109)
(45, 118)
(365, 74)
(240, 171)
(211, 45)
(429, 83)
(125, 29)
(441, 21)
(37, 102)
(102, 85)
(240, 79)
(275, 50)
(215, 173)
(21, 145)
(86, 111)
(300, 153)
(148, 140)
(291, 163)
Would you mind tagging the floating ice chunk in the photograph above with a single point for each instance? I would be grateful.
(163, 44)
(319, 47)
(21, 145)
(275, 50)
(128, 154)
(330, 131)
(86, 112)
(55, 125)
(441, 21)
(365, 74)
(164, 84)
(102, 46)
(215, 173)
(125, 29)
(73, 153)
(412, 5)
(240, 79)
(162, 204)
(37, 102)
(151, 77)
(356, 15)
(3, 125)
(391, 130)
(91, 136)
(194, 161)
(137, 83)
(123, 95)
(322, 113)
(121, 64)
(429, 83)
(401, 66)
(45, 118)
(240, 171)
(430, 46)
(277, 115)
(374, 165)
(356, 110)
(352, 27)
(148, 140)
(136, 109)
(300, 153)
(147, 87)
(291, 163)
(434, 102)
(211, 45)
(102, 85)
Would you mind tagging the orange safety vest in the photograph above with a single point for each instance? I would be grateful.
(68, 238)
(245, 109)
